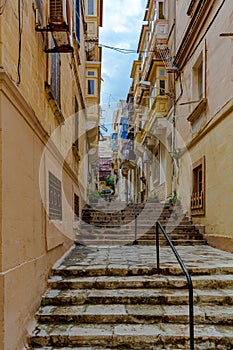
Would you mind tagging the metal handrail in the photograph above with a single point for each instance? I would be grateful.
(182, 265)
(135, 242)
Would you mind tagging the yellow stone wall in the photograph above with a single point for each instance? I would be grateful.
(35, 65)
(211, 133)
(30, 242)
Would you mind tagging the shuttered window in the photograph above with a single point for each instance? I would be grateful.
(55, 198)
(77, 21)
(56, 77)
(76, 122)
(76, 207)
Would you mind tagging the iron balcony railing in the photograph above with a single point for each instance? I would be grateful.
(182, 265)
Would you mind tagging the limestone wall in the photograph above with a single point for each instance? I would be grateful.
(205, 125)
(30, 243)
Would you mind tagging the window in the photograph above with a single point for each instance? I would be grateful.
(76, 207)
(161, 13)
(198, 192)
(56, 77)
(197, 79)
(91, 87)
(200, 81)
(156, 167)
(76, 123)
(90, 73)
(90, 7)
(77, 21)
(162, 87)
(55, 198)
(162, 72)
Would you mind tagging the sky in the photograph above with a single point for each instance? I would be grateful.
(122, 23)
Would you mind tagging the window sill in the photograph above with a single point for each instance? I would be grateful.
(53, 104)
(197, 111)
(198, 212)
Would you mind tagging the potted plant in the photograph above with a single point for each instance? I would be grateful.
(93, 196)
(154, 198)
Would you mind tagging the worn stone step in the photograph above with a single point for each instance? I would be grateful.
(142, 313)
(140, 234)
(142, 227)
(159, 336)
(121, 347)
(134, 282)
(137, 296)
(115, 241)
(142, 217)
(126, 270)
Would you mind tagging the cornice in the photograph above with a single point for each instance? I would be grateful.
(193, 29)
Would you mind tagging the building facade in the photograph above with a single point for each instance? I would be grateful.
(182, 109)
(49, 83)
(203, 110)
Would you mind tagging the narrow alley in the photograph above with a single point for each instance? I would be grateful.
(116, 153)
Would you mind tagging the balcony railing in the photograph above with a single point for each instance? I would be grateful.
(197, 200)
(159, 36)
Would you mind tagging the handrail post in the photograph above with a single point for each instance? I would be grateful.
(191, 316)
(189, 280)
(135, 229)
(135, 242)
(157, 247)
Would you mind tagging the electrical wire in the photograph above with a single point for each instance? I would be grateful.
(118, 49)
(122, 50)
(2, 7)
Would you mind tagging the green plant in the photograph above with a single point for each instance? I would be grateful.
(154, 197)
(92, 195)
(172, 200)
(110, 182)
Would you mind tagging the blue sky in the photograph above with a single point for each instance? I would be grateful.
(122, 22)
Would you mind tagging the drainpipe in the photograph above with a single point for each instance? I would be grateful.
(173, 147)
(174, 112)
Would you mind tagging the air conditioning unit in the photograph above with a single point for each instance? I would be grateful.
(144, 85)
(58, 14)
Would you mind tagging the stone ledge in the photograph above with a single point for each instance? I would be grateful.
(221, 242)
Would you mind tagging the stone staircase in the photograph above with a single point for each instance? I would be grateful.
(103, 226)
(111, 298)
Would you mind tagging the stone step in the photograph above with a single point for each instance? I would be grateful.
(136, 296)
(146, 215)
(140, 234)
(157, 281)
(100, 348)
(141, 336)
(125, 270)
(151, 215)
(115, 241)
(139, 313)
(147, 224)
(73, 348)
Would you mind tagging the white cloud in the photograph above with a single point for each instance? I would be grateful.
(122, 22)
(119, 15)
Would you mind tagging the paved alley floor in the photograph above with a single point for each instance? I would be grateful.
(144, 257)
